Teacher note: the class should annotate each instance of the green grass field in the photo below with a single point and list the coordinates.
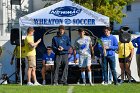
(98, 88)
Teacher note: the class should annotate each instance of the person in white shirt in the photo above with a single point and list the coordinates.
(83, 46)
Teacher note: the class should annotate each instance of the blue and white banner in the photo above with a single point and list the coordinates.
(64, 21)
(65, 13)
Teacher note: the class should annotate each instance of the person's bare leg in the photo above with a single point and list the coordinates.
(29, 74)
(34, 74)
(128, 71)
(122, 70)
(43, 72)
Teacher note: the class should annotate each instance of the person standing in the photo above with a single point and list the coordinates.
(30, 46)
(83, 46)
(136, 44)
(60, 46)
(125, 60)
(47, 61)
(16, 55)
(109, 46)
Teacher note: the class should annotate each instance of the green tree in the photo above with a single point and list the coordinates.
(111, 8)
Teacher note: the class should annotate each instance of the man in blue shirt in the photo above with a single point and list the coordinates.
(48, 62)
(136, 44)
(108, 47)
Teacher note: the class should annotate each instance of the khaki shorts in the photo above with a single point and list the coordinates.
(31, 61)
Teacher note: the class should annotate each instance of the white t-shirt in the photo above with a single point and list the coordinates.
(82, 45)
(107, 43)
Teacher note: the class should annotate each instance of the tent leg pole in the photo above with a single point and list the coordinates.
(20, 56)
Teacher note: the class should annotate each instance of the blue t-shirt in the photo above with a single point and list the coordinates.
(71, 58)
(48, 58)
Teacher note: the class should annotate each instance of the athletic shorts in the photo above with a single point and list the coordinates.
(84, 61)
(49, 67)
(127, 60)
(31, 61)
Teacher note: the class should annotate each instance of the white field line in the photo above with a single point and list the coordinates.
(70, 89)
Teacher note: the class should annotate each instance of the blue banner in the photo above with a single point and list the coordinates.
(64, 21)
(66, 11)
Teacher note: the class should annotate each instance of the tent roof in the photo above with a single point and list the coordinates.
(65, 13)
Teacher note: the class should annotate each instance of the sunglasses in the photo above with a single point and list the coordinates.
(49, 49)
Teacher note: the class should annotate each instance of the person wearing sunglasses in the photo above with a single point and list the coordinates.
(47, 62)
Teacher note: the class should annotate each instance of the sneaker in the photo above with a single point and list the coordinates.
(30, 84)
(55, 84)
(110, 82)
(44, 82)
(37, 84)
(91, 84)
(129, 81)
(122, 81)
(102, 82)
(117, 84)
(105, 83)
(78, 83)
(84, 83)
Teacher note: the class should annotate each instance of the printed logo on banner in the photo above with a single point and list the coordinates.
(67, 21)
(66, 11)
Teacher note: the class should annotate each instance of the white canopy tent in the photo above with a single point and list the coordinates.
(65, 13)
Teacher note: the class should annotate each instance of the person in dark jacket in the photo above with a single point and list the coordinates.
(60, 46)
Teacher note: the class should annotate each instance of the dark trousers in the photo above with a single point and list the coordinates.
(18, 68)
(61, 60)
(111, 61)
